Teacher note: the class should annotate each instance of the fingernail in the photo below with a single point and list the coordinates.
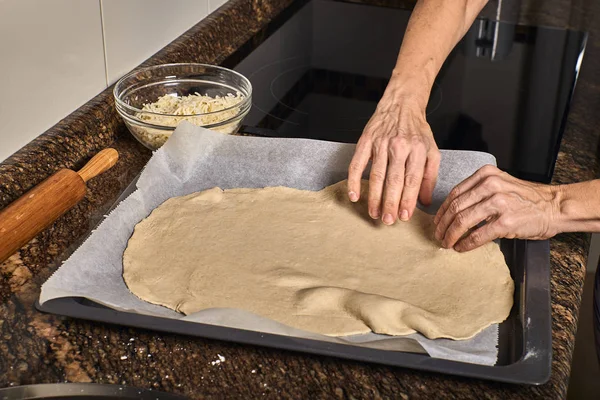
(437, 234)
(374, 214)
(404, 215)
(435, 219)
(388, 219)
(353, 197)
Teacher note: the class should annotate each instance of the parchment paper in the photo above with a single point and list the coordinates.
(196, 159)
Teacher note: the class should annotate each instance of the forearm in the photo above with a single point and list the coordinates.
(434, 28)
(577, 207)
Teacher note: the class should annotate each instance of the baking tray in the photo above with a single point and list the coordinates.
(524, 345)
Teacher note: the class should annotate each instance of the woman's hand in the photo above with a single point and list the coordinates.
(405, 159)
(511, 208)
(398, 140)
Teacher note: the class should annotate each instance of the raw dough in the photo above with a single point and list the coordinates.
(314, 261)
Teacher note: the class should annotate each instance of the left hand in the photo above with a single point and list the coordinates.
(511, 208)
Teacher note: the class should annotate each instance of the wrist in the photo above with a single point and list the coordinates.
(576, 207)
(558, 218)
(407, 91)
(414, 78)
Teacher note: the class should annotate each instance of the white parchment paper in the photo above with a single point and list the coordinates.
(196, 159)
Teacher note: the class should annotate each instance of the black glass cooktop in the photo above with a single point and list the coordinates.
(319, 69)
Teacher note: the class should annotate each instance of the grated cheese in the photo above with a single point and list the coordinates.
(194, 108)
(188, 107)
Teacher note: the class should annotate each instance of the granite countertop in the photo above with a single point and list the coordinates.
(41, 348)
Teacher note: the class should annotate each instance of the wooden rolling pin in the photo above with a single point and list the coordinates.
(41, 206)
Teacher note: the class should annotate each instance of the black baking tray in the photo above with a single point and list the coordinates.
(524, 345)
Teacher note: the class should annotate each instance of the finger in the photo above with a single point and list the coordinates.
(479, 237)
(458, 190)
(415, 166)
(464, 221)
(458, 205)
(465, 185)
(394, 183)
(357, 166)
(377, 177)
(430, 175)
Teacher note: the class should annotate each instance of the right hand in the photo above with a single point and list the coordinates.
(405, 159)
(512, 208)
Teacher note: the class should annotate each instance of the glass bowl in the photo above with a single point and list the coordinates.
(147, 85)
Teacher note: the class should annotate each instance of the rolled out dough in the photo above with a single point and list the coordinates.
(314, 261)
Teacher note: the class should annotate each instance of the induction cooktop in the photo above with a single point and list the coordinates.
(319, 69)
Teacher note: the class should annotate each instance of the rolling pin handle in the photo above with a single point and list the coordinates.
(101, 162)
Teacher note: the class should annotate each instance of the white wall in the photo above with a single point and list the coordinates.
(58, 54)
(136, 29)
(52, 62)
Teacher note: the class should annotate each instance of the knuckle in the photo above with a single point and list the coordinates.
(398, 140)
(364, 144)
(416, 140)
(412, 181)
(397, 148)
(461, 220)
(500, 200)
(505, 222)
(354, 167)
(454, 206)
(420, 151)
(389, 205)
(407, 203)
(455, 192)
(491, 183)
(474, 238)
(394, 179)
(374, 204)
(501, 223)
(377, 145)
(377, 176)
(488, 168)
(417, 145)
(434, 155)
(466, 196)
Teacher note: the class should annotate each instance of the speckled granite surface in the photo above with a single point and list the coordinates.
(39, 348)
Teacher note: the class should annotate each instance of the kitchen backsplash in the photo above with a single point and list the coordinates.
(58, 54)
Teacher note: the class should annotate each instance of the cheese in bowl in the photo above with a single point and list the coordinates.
(153, 101)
